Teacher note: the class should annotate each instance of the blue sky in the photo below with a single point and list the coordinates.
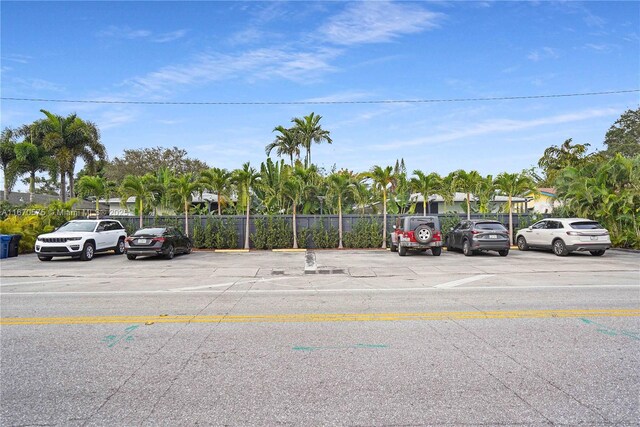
(330, 51)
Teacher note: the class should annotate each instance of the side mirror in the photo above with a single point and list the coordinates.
(450, 228)
(530, 228)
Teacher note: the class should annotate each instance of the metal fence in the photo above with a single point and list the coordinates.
(131, 223)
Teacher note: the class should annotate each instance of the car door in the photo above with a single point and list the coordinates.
(554, 229)
(102, 235)
(451, 236)
(464, 226)
(535, 235)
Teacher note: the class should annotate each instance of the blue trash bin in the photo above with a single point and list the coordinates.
(5, 239)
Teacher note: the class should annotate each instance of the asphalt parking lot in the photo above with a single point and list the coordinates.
(350, 337)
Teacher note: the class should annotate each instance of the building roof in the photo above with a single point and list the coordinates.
(462, 197)
(548, 191)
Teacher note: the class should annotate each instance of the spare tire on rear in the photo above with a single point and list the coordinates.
(423, 234)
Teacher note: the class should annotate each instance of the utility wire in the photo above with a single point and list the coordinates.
(384, 101)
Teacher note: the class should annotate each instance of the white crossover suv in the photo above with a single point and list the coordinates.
(564, 235)
(82, 238)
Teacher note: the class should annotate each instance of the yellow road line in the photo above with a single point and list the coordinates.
(328, 317)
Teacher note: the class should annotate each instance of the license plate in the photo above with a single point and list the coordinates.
(142, 241)
(594, 237)
(493, 236)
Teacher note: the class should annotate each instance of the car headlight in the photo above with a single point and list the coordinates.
(74, 238)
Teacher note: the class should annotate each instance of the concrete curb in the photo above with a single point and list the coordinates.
(231, 250)
(288, 250)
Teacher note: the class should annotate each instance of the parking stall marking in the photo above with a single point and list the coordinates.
(327, 317)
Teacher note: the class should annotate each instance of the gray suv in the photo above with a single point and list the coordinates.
(478, 235)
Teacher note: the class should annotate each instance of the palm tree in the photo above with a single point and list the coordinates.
(485, 191)
(95, 186)
(69, 138)
(426, 185)
(89, 148)
(139, 187)
(293, 188)
(246, 178)
(513, 185)
(181, 191)
(7, 160)
(218, 181)
(308, 130)
(285, 144)
(32, 157)
(466, 182)
(382, 180)
(270, 192)
(339, 187)
(361, 193)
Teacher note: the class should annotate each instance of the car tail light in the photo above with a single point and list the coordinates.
(437, 236)
(158, 239)
(475, 232)
(574, 233)
(129, 239)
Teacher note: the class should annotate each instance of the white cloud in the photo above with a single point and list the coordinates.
(544, 53)
(131, 34)
(21, 59)
(376, 22)
(37, 84)
(251, 65)
(498, 126)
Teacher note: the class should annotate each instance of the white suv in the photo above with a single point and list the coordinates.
(82, 238)
(564, 235)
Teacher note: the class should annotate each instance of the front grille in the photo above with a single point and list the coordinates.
(54, 239)
(54, 249)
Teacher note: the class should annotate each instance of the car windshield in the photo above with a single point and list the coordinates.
(586, 225)
(490, 226)
(77, 226)
(149, 232)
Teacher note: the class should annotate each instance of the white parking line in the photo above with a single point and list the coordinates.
(318, 291)
(237, 282)
(47, 281)
(455, 283)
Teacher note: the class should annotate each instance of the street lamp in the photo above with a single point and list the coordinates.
(321, 198)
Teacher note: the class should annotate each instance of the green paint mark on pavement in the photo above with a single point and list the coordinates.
(611, 331)
(126, 337)
(340, 347)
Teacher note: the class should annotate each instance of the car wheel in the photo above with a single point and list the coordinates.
(504, 252)
(131, 257)
(522, 244)
(189, 248)
(466, 248)
(423, 234)
(45, 258)
(170, 253)
(119, 250)
(88, 251)
(597, 253)
(559, 248)
(436, 251)
(402, 250)
(394, 248)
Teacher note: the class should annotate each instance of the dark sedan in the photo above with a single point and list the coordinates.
(164, 241)
(479, 235)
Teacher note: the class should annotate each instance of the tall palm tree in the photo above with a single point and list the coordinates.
(139, 187)
(95, 186)
(218, 181)
(181, 191)
(513, 185)
(286, 143)
(89, 148)
(383, 180)
(426, 185)
(308, 131)
(246, 178)
(69, 138)
(339, 187)
(466, 182)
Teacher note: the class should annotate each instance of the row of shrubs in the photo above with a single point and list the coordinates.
(277, 233)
